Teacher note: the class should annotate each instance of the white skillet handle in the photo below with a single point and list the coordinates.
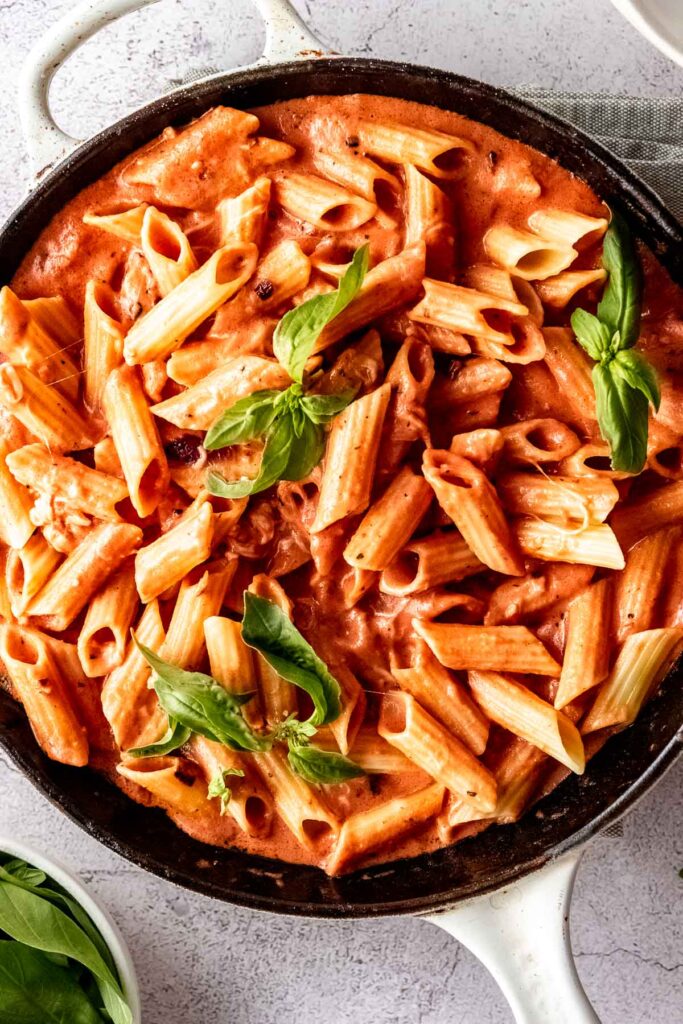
(287, 38)
(521, 934)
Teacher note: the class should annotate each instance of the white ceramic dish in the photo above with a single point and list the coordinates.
(100, 917)
(660, 21)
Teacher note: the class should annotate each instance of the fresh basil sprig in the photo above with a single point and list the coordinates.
(218, 788)
(292, 422)
(625, 383)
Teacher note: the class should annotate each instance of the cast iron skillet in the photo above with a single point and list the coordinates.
(626, 767)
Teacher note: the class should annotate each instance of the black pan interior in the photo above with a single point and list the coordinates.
(614, 779)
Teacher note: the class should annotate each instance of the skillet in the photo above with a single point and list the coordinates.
(537, 857)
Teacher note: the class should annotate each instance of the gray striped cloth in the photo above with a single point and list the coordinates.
(647, 134)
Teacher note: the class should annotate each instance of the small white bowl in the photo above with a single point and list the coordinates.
(660, 21)
(99, 916)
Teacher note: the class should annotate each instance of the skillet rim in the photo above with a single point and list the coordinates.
(655, 225)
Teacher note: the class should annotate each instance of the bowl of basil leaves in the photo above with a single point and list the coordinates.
(62, 958)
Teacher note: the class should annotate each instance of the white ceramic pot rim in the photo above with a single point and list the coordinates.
(647, 19)
(100, 917)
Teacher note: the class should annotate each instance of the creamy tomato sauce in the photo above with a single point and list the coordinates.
(504, 184)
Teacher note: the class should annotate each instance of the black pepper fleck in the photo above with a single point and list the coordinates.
(264, 289)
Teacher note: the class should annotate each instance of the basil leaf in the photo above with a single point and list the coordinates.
(619, 307)
(322, 767)
(622, 416)
(24, 872)
(323, 408)
(266, 628)
(217, 787)
(247, 419)
(202, 705)
(27, 918)
(174, 737)
(276, 455)
(636, 371)
(298, 331)
(34, 990)
(306, 451)
(591, 334)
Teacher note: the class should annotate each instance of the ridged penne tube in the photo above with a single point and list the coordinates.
(526, 344)
(316, 201)
(126, 225)
(591, 459)
(32, 341)
(587, 647)
(571, 369)
(278, 696)
(103, 344)
(654, 511)
(425, 742)
(390, 522)
(429, 218)
(560, 498)
(387, 286)
(106, 459)
(463, 310)
(166, 326)
(169, 558)
(436, 153)
(26, 658)
(242, 218)
(299, 806)
(16, 526)
(129, 705)
(43, 410)
(84, 489)
(104, 634)
(522, 712)
(54, 316)
(345, 727)
(477, 378)
(565, 227)
(232, 663)
(369, 751)
(643, 661)
(201, 596)
(136, 438)
(495, 648)
(484, 277)
(198, 406)
(429, 562)
(362, 176)
(551, 542)
(470, 500)
(381, 825)
(482, 447)
(538, 441)
(250, 804)
(167, 250)
(640, 585)
(350, 457)
(281, 274)
(72, 585)
(444, 697)
(527, 255)
(27, 569)
(558, 291)
(164, 779)
(539, 591)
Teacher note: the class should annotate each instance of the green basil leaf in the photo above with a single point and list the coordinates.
(174, 737)
(24, 872)
(218, 788)
(247, 419)
(306, 452)
(28, 918)
(322, 767)
(622, 417)
(636, 371)
(323, 408)
(619, 307)
(298, 331)
(593, 336)
(35, 990)
(294, 732)
(266, 628)
(276, 455)
(202, 705)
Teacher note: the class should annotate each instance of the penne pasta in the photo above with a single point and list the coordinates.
(126, 225)
(558, 291)
(390, 522)
(527, 255)
(639, 586)
(442, 557)
(242, 218)
(27, 569)
(250, 803)
(429, 218)
(436, 153)
(654, 511)
(539, 441)
(42, 410)
(104, 635)
(587, 648)
(303, 811)
(201, 596)
(232, 663)
(34, 341)
(362, 176)
(16, 525)
(278, 696)
(103, 341)
(167, 782)
(464, 310)
(571, 369)
(168, 559)
(592, 545)
(561, 499)
(316, 201)
(494, 648)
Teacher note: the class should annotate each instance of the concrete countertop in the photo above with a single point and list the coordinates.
(201, 962)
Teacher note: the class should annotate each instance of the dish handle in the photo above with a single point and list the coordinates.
(287, 38)
(521, 934)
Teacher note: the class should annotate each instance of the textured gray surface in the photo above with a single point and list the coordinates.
(203, 963)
